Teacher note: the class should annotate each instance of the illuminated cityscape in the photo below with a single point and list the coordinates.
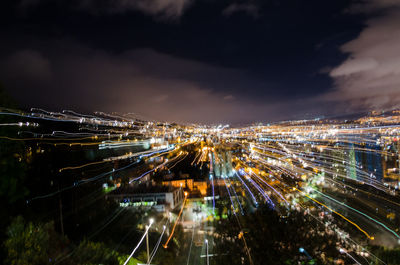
(196, 132)
(341, 179)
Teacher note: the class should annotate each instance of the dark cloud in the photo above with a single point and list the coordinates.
(163, 9)
(167, 9)
(114, 55)
(144, 81)
(370, 77)
(373, 6)
(27, 63)
(158, 86)
(247, 8)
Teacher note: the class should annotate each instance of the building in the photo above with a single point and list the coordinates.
(189, 184)
(158, 198)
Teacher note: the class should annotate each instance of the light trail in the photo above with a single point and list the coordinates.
(148, 172)
(154, 251)
(82, 166)
(154, 169)
(365, 192)
(176, 222)
(339, 214)
(363, 214)
(140, 242)
(338, 233)
(280, 195)
(230, 197)
(328, 154)
(213, 193)
(190, 248)
(236, 196)
(262, 192)
(186, 153)
(251, 194)
(196, 157)
(52, 139)
(366, 179)
(80, 182)
(341, 250)
(208, 258)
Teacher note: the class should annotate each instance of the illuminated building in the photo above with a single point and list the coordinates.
(158, 198)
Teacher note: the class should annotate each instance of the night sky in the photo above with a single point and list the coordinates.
(202, 60)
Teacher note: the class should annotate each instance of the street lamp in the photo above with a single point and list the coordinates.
(208, 262)
(302, 250)
(140, 242)
(151, 221)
